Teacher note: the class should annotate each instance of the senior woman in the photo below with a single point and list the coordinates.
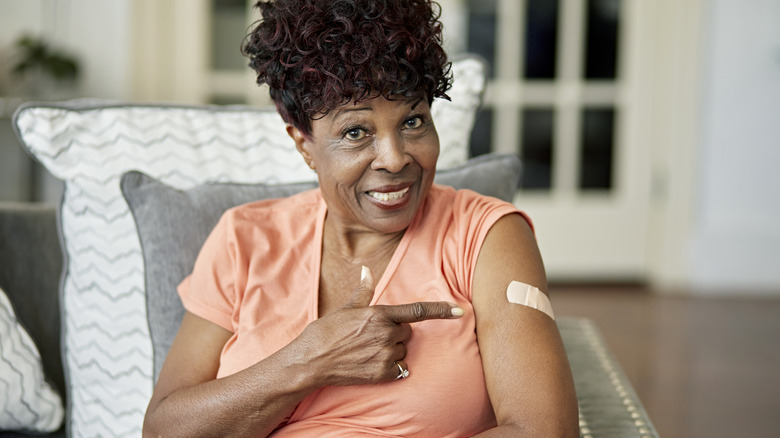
(378, 304)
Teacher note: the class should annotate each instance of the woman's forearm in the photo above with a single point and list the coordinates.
(509, 430)
(501, 431)
(252, 402)
(351, 346)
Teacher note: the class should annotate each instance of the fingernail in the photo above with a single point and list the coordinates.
(363, 273)
(456, 311)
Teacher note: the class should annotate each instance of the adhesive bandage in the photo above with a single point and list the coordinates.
(527, 295)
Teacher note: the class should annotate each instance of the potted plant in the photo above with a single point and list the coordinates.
(44, 71)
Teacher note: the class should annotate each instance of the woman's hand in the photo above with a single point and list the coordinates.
(360, 343)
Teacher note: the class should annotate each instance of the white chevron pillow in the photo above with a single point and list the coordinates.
(28, 402)
(89, 146)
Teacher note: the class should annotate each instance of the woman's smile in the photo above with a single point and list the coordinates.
(388, 199)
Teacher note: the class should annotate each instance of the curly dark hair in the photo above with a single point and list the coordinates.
(318, 54)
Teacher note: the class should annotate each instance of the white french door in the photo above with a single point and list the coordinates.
(564, 95)
(594, 95)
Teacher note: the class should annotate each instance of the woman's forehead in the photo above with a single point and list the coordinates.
(401, 103)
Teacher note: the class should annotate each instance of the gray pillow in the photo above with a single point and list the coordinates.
(491, 175)
(173, 224)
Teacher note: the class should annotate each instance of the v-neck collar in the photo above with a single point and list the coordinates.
(392, 266)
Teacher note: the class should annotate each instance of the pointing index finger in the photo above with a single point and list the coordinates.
(421, 311)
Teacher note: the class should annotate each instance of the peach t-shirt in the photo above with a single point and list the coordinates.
(258, 277)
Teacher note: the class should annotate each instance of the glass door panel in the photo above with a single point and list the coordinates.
(596, 149)
(601, 57)
(541, 39)
(230, 79)
(228, 26)
(482, 21)
(481, 135)
(536, 149)
(558, 98)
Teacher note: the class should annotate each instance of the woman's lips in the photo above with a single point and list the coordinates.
(390, 198)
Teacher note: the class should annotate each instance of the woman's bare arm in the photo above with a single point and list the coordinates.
(355, 345)
(249, 403)
(526, 370)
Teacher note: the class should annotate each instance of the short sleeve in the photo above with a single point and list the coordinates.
(474, 216)
(209, 291)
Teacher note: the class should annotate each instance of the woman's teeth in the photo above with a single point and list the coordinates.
(392, 196)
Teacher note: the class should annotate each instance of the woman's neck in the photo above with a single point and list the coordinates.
(358, 246)
(343, 254)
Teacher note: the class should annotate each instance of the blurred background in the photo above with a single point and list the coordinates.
(648, 129)
(649, 132)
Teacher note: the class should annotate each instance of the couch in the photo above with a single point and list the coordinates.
(93, 279)
(31, 265)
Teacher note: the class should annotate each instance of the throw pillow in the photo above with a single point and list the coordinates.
(173, 224)
(28, 402)
(491, 175)
(109, 360)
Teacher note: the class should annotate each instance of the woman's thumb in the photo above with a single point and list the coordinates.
(361, 296)
(366, 279)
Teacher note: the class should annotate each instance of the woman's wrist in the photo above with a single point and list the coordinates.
(300, 366)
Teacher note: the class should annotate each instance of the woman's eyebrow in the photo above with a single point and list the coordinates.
(338, 114)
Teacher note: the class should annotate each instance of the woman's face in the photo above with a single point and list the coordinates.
(375, 161)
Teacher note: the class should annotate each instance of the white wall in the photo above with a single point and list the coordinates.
(95, 31)
(100, 31)
(735, 246)
(731, 242)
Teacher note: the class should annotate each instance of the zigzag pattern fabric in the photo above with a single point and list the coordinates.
(108, 352)
(27, 402)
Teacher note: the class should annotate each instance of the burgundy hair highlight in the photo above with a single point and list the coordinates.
(318, 54)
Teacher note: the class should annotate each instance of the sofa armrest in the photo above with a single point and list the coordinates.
(31, 264)
(609, 407)
(30, 268)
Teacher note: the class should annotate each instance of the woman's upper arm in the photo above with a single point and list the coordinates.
(526, 370)
(193, 357)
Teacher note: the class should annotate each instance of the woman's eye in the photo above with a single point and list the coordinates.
(355, 134)
(414, 122)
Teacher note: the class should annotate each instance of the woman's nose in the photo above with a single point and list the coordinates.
(390, 154)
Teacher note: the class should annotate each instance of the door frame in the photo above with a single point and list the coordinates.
(170, 55)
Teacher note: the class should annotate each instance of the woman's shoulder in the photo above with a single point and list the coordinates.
(465, 206)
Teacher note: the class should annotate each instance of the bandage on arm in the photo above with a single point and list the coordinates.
(527, 295)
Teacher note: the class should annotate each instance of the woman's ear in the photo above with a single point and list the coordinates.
(301, 143)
